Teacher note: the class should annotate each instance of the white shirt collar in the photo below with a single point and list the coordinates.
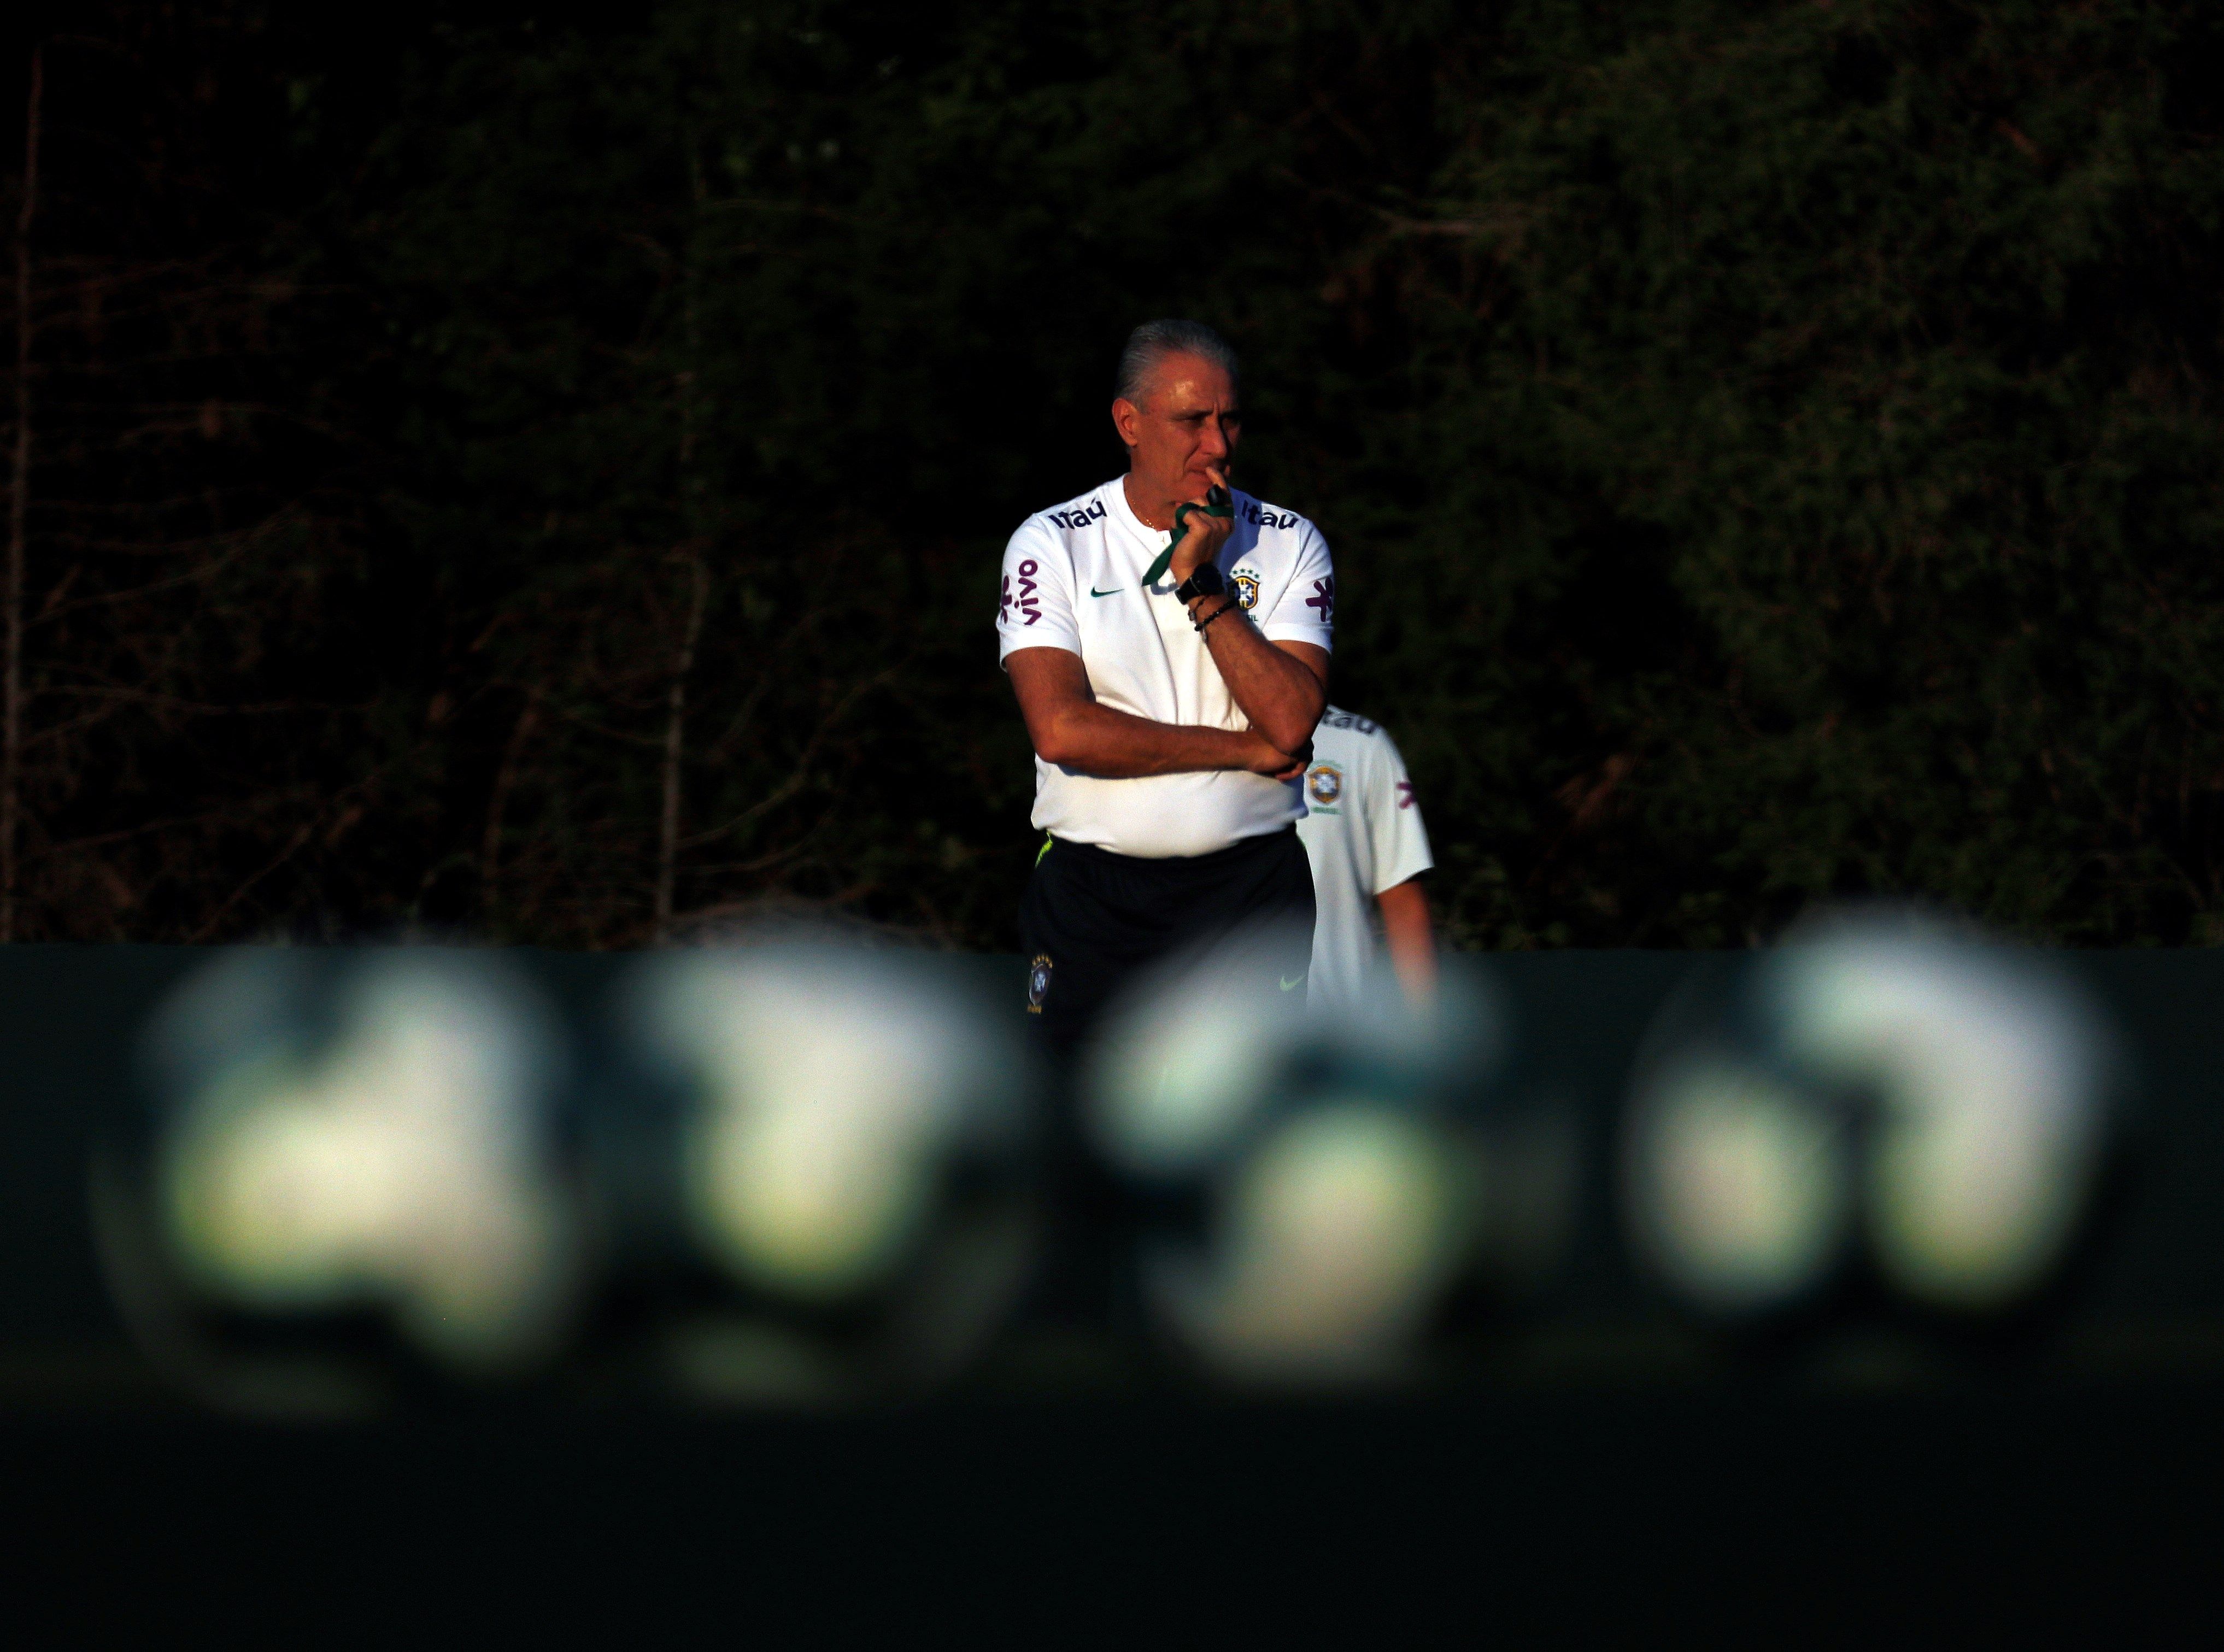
(1124, 513)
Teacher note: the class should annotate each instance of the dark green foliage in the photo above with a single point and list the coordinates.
(1771, 451)
(1872, 351)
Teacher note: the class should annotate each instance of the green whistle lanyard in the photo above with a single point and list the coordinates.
(1216, 503)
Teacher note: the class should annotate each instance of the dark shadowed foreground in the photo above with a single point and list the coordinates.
(1595, 1456)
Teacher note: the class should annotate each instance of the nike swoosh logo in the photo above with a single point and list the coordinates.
(1297, 981)
(1115, 591)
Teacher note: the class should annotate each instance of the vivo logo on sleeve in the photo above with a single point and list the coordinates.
(1026, 600)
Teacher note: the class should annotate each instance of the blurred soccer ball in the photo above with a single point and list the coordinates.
(1884, 1077)
(847, 1142)
(1322, 1175)
(1740, 1182)
(327, 1137)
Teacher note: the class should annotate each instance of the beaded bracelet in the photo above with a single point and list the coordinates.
(1231, 604)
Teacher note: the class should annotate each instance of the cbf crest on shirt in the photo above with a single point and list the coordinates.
(1072, 579)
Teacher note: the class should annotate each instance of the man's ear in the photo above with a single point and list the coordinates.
(1125, 415)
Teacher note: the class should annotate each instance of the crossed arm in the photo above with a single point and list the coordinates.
(1280, 686)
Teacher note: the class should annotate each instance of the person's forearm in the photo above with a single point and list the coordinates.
(1279, 692)
(1114, 745)
(1406, 937)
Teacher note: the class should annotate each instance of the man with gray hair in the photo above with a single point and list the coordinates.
(1168, 638)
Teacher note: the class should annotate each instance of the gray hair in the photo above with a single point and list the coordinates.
(1155, 341)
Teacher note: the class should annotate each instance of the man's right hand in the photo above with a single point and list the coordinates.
(1203, 535)
(1276, 764)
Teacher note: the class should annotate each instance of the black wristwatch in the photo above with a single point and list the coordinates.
(1205, 582)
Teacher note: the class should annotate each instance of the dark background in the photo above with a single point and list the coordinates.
(1771, 451)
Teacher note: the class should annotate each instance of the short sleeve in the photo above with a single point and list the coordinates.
(1035, 607)
(1306, 610)
(1400, 842)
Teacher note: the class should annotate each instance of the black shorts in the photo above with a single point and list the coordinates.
(1090, 919)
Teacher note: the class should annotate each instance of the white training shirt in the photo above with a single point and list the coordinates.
(1363, 832)
(1073, 580)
